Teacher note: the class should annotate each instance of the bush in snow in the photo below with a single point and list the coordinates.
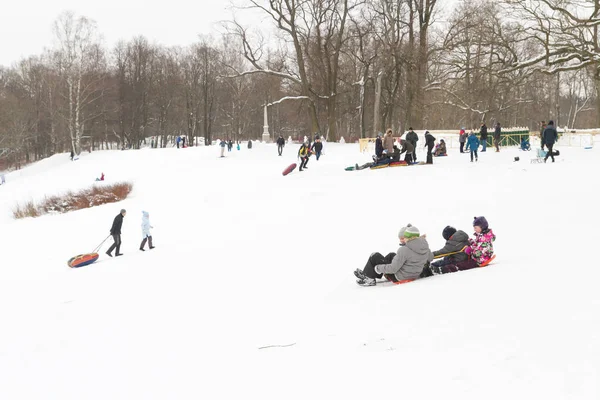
(70, 201)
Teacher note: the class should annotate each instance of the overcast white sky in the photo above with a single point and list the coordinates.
(26, 25)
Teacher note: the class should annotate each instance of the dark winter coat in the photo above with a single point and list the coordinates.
(117, 224)
(407, 147)
(497, 132)
(281, 141)
(455, 244)
(412, 137)
(483, 132)
(378, 147)
(429, 141)
(317, 146)
(249, 144)
(550, 135)
(409, 260)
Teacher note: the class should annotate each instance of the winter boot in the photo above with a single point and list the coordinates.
(359, 274)
(366, 282)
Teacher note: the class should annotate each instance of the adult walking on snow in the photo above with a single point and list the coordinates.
(249, 144)
(146, 231)
(115, 231)
(429, 143)
(549, 137)
(280, 144)
(483, 134)
(317, 148)
(497, 132)
(223, 144)
(413, 138)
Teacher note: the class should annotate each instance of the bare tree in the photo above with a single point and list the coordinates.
(79, 59)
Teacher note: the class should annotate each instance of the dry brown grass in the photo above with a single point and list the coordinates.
(71, 201)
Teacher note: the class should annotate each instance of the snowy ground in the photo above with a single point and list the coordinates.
(246, 258)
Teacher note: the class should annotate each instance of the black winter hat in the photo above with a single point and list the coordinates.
(448, 232)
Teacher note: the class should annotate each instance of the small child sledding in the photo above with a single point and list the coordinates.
(479, 251)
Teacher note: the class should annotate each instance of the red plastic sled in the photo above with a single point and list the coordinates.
(289, 169)
(82, 260)
(488, 261)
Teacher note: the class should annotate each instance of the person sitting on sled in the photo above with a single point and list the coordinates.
(480, 250)
(440, 149)
(403, 266)
(525, 146)
(452, 252)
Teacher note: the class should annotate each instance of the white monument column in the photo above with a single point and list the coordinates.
(265, 136)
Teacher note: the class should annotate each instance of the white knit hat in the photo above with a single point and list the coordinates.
(409, 231)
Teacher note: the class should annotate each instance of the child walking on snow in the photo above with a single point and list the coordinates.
(480, 250)
(146, 231)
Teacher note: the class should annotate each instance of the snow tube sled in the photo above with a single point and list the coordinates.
(398, 164)
(82, 260)
(288, 169)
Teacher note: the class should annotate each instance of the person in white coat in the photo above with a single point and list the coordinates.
(146, 231)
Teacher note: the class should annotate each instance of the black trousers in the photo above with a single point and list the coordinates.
(414, 152)
(280, 149)
(149, 239)
(408, 158)
(303, 161)
(462, 146)
(116, 244)
(376, 259)
(429, 156)
(549, 153)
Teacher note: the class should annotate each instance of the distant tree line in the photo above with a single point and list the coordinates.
(338, 67)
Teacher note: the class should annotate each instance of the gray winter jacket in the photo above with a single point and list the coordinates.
(410, 260)
(455, 244)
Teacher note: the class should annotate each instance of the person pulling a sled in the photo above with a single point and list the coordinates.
(403, 266)
(115, 231)
(479, 251)
(146, 231)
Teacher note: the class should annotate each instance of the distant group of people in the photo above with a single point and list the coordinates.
(180, 140)
(115, 232)
(414, 258)
(229, 145)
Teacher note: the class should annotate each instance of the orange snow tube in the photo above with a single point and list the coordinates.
(82, 260)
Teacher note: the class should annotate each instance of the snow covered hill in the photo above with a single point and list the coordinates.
(246, 259)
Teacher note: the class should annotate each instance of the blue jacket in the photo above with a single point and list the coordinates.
(473, 142)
